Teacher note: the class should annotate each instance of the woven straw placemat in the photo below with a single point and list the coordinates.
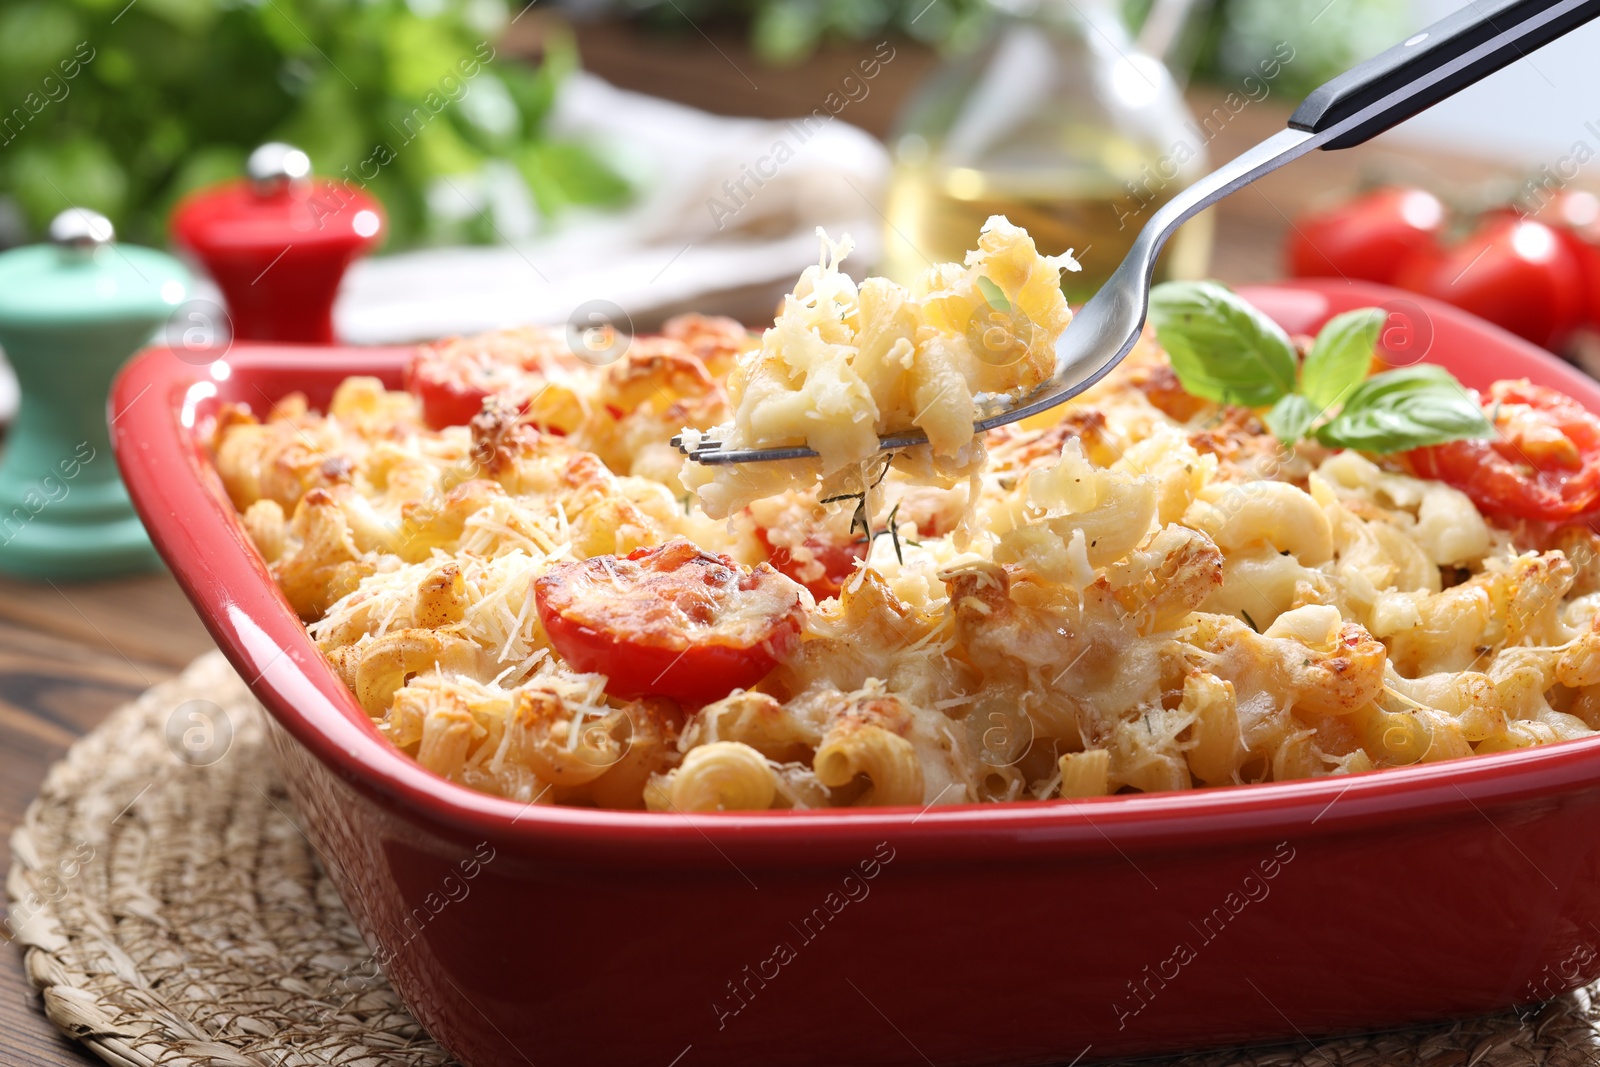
(172, 913)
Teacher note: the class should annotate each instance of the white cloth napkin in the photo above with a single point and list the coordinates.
(724, 221)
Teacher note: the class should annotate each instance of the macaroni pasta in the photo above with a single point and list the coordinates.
(1141, 592)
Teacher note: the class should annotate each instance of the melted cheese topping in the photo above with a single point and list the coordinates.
(683, 596)
(845, 364)
(1142, 592)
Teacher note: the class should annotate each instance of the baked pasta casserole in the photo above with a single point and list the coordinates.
(532, 594)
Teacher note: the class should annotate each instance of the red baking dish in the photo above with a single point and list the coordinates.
(1027, 933)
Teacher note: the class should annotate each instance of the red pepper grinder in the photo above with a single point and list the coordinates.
(278, 242)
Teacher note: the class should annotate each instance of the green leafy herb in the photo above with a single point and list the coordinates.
(417, 103)
(1224, 350)
(891, 528)
(1291, 417)
(859, 516)
(1404, 409)
(1341, 356)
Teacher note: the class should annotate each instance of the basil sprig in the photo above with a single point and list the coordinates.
(1224, 350)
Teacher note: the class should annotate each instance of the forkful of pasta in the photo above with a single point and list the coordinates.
(850, 371)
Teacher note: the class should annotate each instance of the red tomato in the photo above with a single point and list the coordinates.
(452, 394)
(838, 560)
(1368, 237)
(1543, 465)
(453, 377)
(1575, 216)
(1516, 273)
(672, 621)
(447, 400)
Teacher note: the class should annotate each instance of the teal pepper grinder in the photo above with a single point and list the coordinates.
(71, 312)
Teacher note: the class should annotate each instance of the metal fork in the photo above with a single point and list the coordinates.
(1454, 52)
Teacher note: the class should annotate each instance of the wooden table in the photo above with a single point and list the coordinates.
(71, 653)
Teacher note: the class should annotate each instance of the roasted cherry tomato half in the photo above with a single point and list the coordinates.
(1544, 463)
(672, 621)
(1516, 273)
(1368, 237)
(445, 401)
(453, 378)
(837, 560)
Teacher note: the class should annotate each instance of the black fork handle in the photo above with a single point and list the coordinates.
(1459, 49)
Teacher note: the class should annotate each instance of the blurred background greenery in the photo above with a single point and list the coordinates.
(1221, 38)
(177, 92)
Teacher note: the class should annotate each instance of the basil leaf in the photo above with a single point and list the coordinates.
(1403, 380)
(1291, 417)
(1341, 356)
(1221, 348)
(1404, 409)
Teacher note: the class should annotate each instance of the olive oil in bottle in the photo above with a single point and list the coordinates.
(1062, 127)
